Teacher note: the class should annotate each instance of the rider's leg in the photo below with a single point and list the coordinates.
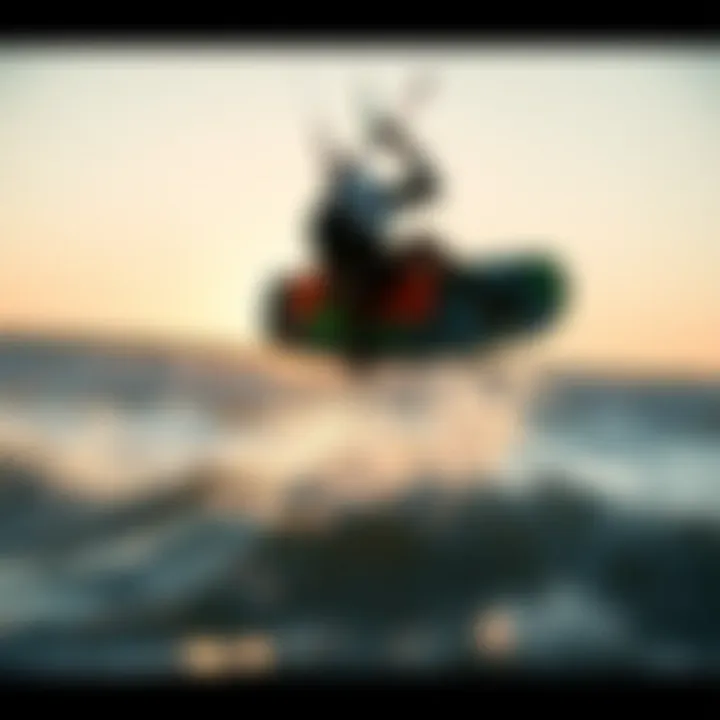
(352, 260)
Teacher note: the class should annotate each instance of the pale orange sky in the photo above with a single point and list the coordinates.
(159, 188)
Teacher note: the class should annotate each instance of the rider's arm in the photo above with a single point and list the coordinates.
(421, 182)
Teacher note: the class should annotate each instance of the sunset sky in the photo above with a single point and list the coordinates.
(158, 188)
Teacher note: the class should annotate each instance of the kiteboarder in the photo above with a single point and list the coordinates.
(350, 223)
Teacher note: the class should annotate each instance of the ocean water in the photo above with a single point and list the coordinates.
(654, 444)
(143, 534)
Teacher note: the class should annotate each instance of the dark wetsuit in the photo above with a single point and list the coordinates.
(350, 229)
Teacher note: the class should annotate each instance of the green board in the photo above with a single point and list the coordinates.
(475, 305)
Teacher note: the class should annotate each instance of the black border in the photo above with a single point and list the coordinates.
(378, 29)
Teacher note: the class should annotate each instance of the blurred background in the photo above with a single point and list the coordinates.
(178, 499)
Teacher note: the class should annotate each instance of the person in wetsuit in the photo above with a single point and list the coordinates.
(350, 224)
